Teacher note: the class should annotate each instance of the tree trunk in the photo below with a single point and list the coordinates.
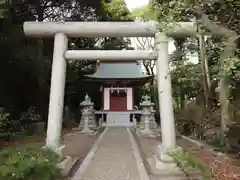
(224, 103)
(223, 86)
(203, 63)
(207, 72)
(181, 96)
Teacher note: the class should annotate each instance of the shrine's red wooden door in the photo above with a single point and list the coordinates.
(118, 101)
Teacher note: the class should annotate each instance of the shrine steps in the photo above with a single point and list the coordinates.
(120, 119)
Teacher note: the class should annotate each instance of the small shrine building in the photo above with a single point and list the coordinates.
(118, 80)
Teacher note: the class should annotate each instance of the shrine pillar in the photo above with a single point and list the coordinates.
(165, 93)
(56, 99)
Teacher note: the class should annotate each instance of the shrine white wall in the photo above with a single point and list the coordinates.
(106, 99)
(129, 99)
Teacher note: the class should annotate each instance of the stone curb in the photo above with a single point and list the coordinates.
(139, 161)
(66, 165)
(202, 145)
(136, 135)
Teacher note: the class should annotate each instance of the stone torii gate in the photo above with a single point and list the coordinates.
(62, 30)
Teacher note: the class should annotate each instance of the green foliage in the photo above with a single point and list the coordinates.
(213, 49)
(232, 69)
(28, 163)
(169, 12)
(30, 115)
(115, 44)
(3, 118)
(144, 13)
(188, 160)
(190, 77)
(116, 10)
(28, 120)
(148, 90)
(4, 121)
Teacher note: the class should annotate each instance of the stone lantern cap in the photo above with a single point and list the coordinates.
(146, 102)
(87, 101)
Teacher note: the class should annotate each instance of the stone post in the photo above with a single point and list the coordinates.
(100, 123)
(165, 93)
(56, 99)
(134, 120)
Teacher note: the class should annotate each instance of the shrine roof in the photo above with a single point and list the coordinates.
(118, 70)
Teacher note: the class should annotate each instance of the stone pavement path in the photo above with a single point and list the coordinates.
(114, 158)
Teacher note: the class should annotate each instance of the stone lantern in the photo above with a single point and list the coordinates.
(146, 115)
(92, 117)
(87, 114)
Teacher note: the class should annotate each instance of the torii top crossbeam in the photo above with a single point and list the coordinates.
(105, 29)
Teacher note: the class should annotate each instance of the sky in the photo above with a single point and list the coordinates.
(132, 4)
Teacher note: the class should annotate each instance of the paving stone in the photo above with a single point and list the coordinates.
(114, 159)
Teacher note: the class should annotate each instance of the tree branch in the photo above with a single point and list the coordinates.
(213, 27)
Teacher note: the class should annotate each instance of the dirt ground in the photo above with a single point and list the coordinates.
(222, 166)
(78, 145)
(75, 143)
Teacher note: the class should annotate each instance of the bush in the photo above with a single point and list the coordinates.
(30, 116)
(4, 123)
(28, 163)
(3, 118)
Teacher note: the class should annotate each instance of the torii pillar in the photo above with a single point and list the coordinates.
(57, 89)
(165, 95)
